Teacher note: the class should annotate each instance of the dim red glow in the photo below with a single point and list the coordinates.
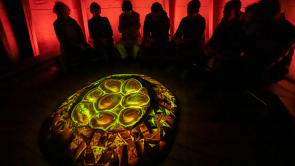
(31, 28)
(12, 45)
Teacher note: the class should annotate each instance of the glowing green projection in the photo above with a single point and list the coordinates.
(113, 105)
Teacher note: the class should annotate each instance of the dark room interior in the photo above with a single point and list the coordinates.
(226, 107)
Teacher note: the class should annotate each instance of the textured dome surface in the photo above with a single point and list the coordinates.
(118, 120)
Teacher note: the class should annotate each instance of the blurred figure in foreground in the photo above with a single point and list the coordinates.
(101, 32)
(69, 34)
(129, 24)
(189, 37)
(156, 31)
(269, 46)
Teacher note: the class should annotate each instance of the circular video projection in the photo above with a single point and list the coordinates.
(122, 119)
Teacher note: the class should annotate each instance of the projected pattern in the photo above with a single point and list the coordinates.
(111, 120)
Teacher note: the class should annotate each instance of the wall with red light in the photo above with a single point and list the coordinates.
(43, 18)
(8, 38)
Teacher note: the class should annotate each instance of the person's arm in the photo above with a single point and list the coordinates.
(167, 26)
(164, 29)
(146, 27)
(202, 27)
(92, 30)
(199, 37)
(214, 40)
(78, 29)
(109, 32)
(122, 24)
(59, 33)
(136, 25)
(180, 29)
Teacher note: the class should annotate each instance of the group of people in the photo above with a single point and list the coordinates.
(253, 46)
(189, 35)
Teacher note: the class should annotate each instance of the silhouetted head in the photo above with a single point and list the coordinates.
(95, 9)
(61, 10)
(268, 9)
(127, 8)
(237, 4)
(250, 21)
(157, 11)
(230, 11)
(250, 12)
(193, 8)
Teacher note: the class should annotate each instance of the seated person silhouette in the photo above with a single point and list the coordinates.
(129, 24)
(270, 44)
(225, 43)
(101, 32)
(156, 30)
(69, 34)
(189, 37)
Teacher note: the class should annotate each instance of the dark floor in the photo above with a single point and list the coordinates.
(245, 132)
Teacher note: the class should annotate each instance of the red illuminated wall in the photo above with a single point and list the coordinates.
(43, 18)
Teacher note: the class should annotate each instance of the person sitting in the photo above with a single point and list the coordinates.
(225, 43)
(100, 31)
(69, 34)
(156, 30)
(270, 44)
(189, 37)
(129, 25)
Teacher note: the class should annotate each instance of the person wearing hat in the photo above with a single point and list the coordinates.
(129, 25)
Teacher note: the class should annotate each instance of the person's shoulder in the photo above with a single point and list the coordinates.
(200, 17)
(165, 15)
(121, 15)
(72, 20)
(90, 20)
(148, 15)
(288, 28)
(55, 22)
(184, 19)
(287, 24)
(105, 19)
(135, 14)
